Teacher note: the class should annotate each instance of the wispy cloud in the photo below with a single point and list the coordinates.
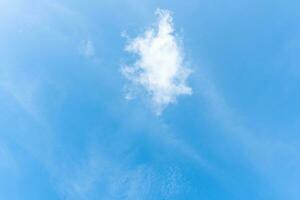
(83, 180)
(23, 90)
(263, 152)
(159, 68)
(8, 160)
(87, 48)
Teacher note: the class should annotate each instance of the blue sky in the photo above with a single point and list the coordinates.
(149, 99)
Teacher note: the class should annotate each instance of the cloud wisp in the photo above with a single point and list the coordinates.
(87, 48)
(159, 68)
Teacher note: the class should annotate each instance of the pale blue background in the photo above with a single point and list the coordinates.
(66, 131)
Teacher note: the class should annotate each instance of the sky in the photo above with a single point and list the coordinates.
(149, 100)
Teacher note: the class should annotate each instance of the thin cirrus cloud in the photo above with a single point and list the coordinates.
(159, 68)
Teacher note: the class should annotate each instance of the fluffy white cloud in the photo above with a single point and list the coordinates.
(159, 68)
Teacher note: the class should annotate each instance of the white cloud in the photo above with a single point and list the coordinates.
(87, 48)
(159, 68)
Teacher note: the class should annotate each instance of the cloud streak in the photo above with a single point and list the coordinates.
(159, 69)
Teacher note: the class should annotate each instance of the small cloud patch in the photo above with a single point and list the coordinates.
(87, 48)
